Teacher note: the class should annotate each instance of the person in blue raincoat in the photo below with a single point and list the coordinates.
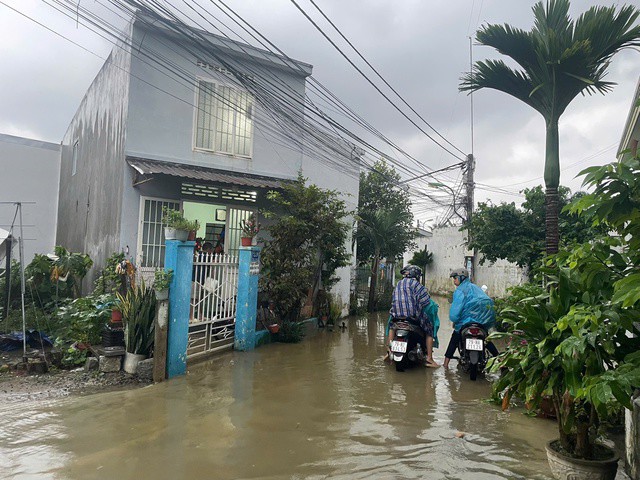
(470, 305)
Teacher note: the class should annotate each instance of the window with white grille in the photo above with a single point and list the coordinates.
(151, 234)
(74, 159)
(224, 121)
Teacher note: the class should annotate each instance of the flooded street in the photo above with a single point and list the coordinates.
(324, 408)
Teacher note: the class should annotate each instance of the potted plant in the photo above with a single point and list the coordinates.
(177, 227)
(161, 281)
(138, 312)
(576, 342)
(250, 228)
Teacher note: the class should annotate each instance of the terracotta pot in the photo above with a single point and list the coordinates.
(192, 235)
(568, 468)
(116, 315)
(246, 241)
(273, 328)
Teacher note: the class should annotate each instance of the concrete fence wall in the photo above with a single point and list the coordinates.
(448, 245)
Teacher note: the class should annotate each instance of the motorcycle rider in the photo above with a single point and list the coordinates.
(409, 300)
(470, 304)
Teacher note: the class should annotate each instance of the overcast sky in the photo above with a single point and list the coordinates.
(420, 46)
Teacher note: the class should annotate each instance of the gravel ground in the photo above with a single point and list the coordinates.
(18, 387)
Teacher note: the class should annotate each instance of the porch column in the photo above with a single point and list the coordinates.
(178, 257)
(248, 274)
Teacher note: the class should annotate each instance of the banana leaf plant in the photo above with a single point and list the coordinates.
(138, 309)
(577, 343)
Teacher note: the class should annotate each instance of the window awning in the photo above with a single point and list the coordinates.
(181, 170)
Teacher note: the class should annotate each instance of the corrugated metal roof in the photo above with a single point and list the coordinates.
(153, 167)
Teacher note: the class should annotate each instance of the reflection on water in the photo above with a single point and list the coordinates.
(325, 408)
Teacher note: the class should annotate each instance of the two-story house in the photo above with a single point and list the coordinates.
(182, 118)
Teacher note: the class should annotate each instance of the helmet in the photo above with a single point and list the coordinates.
(459, 272)
(411, 271)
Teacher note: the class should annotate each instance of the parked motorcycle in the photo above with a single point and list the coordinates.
(407, 345)
(472, 347)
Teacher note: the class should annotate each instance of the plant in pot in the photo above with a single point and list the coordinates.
(576, 342)
(138, 312)
(177, 227)
(250, 228)
(161, 281)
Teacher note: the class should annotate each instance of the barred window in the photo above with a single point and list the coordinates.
(224, 121)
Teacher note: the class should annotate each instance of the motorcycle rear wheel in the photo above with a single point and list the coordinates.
(401, 365)
(473, 371)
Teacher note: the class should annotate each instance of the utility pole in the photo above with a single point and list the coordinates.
(469, 186)
(469, 259)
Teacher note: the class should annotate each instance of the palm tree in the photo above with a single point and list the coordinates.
(559, 59)
(380, 228)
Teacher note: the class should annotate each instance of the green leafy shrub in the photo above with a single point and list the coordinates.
(162, 279)
(576, 342)
(307, 244)
(175, 219)
(109, 281)
(291, 332)
(82, 319)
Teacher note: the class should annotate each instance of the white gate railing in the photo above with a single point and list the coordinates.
(213, 303)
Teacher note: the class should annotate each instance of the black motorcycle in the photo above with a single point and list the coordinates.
(473, 353)
(408, 344)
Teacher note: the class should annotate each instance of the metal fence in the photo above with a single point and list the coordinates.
(213, 303)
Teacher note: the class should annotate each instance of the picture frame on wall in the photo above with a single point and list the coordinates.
(221, 215)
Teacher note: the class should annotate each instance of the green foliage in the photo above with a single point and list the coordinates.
(162, 279)
(138, 308)
(574, 342)
(250, 227)
(422, 258)
(82, 319)
(355, 308)
(307, 244)
(518, 234)
(175, 219)
(382, 203)
(290, 332)
(73, 356)
(109, 280)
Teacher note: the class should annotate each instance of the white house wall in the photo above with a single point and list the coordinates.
(30, 174)
(449, 250)
(91, 200)
(162, 107)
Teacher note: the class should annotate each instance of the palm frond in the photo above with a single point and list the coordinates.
(509, 41)
(497, 75)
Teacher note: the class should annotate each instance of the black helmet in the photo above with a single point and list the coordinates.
(411, 271)
(459, 272)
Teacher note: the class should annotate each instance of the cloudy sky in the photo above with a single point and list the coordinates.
(421, 47)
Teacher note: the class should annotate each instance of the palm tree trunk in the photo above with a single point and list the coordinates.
(374, 283)
(552, 181)
(552, 237)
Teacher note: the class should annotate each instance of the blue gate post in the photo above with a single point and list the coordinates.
(248, 274)
(178, 256)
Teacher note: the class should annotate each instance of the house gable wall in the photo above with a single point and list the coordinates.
(90, 201)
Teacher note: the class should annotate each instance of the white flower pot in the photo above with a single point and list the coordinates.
(131, 361)
(173, 234)
(162, 294)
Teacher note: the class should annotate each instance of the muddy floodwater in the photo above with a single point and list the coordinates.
(324, 408)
